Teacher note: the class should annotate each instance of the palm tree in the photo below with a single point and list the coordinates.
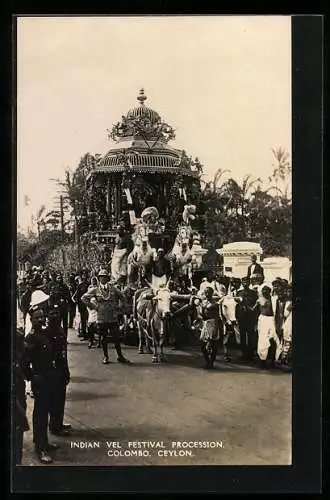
(282, 167)
(214, 185)
(40, 219)
(236, 195)
(246, 187)
(40, 212)
(281, 172)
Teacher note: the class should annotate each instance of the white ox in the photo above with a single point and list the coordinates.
(151, 310)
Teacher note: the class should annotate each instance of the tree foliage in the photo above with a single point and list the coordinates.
(38, 250)
(245, 211)
(228, 209)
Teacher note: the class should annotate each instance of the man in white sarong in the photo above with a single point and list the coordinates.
(266, 326)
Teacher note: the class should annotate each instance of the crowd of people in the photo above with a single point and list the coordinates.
(48, 303)
(262, 321)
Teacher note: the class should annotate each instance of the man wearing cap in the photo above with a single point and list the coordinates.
(40, 369)
(59, 295)
(161, 269)
(247, 319)
(107, 300)
(255, 268)
(38, 300)
(57, 337)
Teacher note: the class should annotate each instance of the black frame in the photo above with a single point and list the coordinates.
(305, 473)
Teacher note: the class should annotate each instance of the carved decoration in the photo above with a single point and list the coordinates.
(147, 124)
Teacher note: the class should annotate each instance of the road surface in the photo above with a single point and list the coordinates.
(235, 415)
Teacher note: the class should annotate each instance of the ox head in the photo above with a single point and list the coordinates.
(163, 299)
(228, 309)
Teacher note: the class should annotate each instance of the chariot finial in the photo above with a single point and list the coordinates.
(141, 97)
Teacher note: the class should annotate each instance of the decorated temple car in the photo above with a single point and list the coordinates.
(141, 171)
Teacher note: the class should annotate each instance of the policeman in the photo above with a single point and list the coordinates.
(20, 419)
(60, 296)
(57, 337)
(40, 369)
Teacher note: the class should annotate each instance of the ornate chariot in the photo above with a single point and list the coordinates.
(142, 184)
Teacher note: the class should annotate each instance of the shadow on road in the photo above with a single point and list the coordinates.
(197, 361)
(86, 380)
(80, 344)
(88, 396)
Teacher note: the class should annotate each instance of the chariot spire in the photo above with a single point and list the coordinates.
(141, 97)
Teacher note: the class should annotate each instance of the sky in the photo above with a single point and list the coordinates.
(223, 82)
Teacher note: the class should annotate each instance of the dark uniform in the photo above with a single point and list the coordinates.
(46, 368)
(59, 295)
(247, 321)
(58, 338)
(20, 419)
(20, 290)
(25, 300)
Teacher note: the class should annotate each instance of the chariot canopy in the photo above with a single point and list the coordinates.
(141, 170)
